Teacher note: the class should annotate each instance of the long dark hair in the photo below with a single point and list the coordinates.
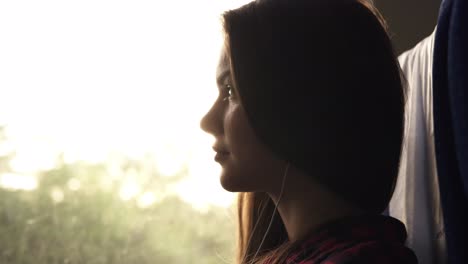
(322, 88)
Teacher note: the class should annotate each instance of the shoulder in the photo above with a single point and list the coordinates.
(357, 240)
(419, 58)
(373, 252)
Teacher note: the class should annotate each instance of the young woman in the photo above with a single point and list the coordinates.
(308, 127)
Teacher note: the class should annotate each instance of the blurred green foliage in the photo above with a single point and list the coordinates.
(93, 225)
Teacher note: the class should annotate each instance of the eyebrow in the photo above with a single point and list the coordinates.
(222, 77)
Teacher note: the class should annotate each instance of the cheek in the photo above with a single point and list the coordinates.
(239, 135)
(252, 167)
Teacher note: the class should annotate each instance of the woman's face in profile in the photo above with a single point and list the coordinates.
(247, 165)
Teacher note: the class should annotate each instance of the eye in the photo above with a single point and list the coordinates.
(229, 91)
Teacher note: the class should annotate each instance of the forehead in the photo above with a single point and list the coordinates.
(223, 64)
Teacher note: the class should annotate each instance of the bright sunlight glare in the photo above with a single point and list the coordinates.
(18, 181)
(84, 79)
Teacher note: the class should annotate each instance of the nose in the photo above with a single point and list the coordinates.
(212, 122)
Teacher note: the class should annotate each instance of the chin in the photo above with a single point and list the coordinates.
(231, 183)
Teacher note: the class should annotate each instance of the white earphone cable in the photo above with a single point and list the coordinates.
(274, 211)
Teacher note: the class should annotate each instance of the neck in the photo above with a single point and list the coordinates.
(305, 205)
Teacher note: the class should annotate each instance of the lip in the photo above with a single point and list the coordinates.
(221, 153)
(221, 150)
(221, 156)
